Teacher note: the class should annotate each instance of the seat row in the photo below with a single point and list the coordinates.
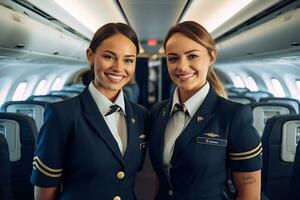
(18, 130)
(20, 122)
(245, 96)
(19, 125)
(280, 138)
(279, 141)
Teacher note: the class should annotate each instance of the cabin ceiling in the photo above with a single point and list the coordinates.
(152, 18)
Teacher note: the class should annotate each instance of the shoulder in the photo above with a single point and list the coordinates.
(232, 108)
(228, 104)
(65, 107)
(157, 107)
(67, 103)
(137, 108)
(63, 112)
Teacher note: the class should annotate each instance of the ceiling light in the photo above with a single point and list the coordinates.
(93, 14)
(211, 14)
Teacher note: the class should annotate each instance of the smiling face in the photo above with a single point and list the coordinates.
(188, 64)
(114, 64)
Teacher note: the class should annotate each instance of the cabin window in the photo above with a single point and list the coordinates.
(5, 84)
(41, 89)
(277, 88)
(238, 82)
(251, 84)
(20, 91)
(57, 84)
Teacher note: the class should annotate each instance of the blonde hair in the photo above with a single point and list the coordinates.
(199, 34)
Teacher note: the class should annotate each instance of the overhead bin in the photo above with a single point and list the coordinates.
(278, 34)
(22, 36)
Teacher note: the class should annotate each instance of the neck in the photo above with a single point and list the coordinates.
(108, 93)
(185, 95)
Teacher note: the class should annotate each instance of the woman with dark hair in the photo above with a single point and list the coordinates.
(91, 146)
(198, 136)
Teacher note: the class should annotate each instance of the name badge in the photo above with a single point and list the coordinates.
(143, 145)
(211, 141)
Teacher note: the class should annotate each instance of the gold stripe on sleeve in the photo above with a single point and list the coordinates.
(36, 158)
(247, 157)
(36, 166)
(246, 152)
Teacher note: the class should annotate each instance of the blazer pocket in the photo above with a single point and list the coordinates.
(211, 141)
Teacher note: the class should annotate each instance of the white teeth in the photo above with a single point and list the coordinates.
(185, 77)
(115, 77)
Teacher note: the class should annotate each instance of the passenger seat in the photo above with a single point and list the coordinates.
(47, 98)
(257, 95)
(19, 130)
(34, 109)
(279, 142)
(263, 111)
(294, 193)
(5, 172)
(241, 99)
(293, 102)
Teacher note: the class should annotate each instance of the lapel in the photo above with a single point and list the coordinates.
(197, 123)
(159, 130)
(132, 130)
(96, 120)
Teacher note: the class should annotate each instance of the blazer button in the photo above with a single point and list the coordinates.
(170, 192)
(117, 198)
(120, 175)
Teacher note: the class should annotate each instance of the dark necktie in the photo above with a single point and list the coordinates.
(174, 129)
(123, 136)
(113, 108)
(179, 107)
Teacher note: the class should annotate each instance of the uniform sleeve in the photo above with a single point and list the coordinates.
(245, 149)
(48, 159)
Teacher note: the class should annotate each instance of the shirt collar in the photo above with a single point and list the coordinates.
(104, 103)
(194, 102)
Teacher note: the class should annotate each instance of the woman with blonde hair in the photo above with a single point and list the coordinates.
(198, 135)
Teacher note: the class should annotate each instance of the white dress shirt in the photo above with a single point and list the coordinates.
(116, 121)
(179, 120)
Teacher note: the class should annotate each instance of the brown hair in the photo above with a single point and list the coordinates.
(199, 34)
(109, 30)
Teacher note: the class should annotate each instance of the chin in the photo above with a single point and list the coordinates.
(188, 88)
(114, 88)
(187, 85)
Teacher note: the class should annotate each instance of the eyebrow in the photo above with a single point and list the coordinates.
(111, 52)
(187, 52)
(190, 51)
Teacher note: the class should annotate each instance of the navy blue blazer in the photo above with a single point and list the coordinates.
(219, 136)
(77, 152)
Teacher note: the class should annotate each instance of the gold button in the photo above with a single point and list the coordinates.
(120, 175)
(117, 198)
